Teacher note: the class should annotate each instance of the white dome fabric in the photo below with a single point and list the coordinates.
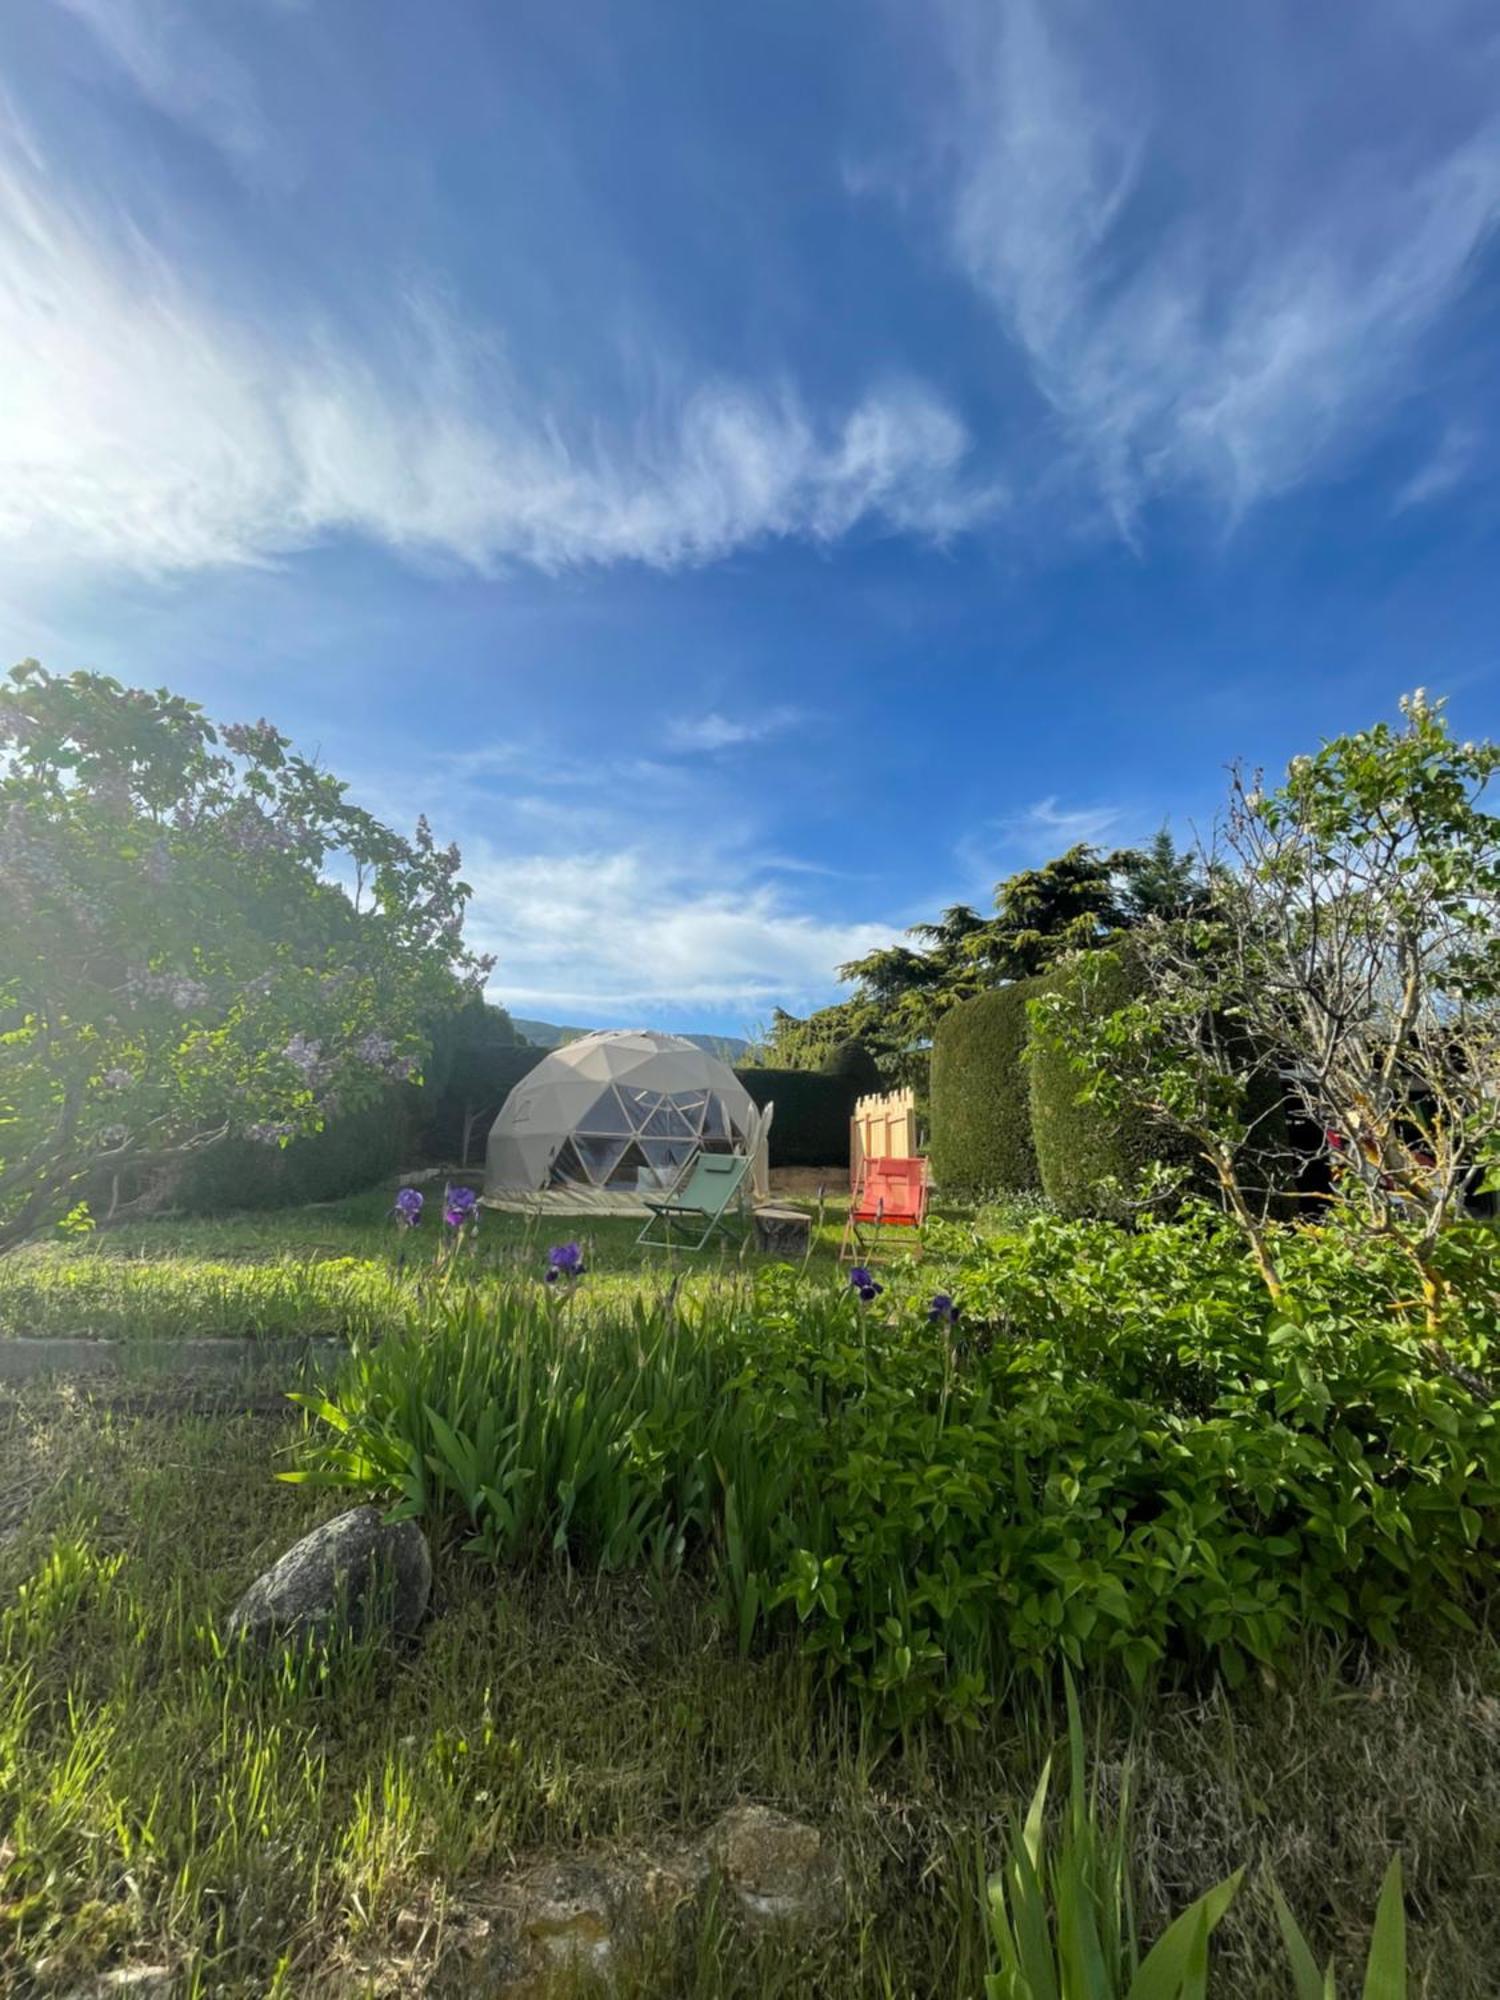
(598, 1111)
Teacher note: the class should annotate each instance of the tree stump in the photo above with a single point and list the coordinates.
(783, 1232)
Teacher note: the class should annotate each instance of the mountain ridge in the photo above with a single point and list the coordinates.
(552, 1035)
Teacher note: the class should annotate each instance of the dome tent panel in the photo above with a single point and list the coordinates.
(600, 1155)
(596, 1111)
(607, 1115)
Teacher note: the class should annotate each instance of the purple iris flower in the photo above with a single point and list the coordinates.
(408, 1209)
(458, 1206)
(564, 1260)
(944, 1310)
(864, 1283)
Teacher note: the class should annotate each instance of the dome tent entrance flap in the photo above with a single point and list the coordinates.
(612, 1110)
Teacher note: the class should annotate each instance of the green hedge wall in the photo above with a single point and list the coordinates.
(443, 1109)
(981, 1102)
(1080, 1147)
(811, 1126)
(349, 1155)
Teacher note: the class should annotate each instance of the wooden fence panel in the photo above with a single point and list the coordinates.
(882, 1128)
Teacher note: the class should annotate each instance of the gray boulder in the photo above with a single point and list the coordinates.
(780, 1872)
(357, 1573)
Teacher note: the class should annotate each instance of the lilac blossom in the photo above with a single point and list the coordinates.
(184, 993)
(306, 1057)
(253, 739)
(16, 726)
(269, 1133)
(253, 832)
(117, 1078)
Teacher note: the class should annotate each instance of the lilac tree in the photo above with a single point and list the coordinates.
(199, 935)
(1347, 947)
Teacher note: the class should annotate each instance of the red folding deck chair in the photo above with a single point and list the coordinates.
(890, 1194)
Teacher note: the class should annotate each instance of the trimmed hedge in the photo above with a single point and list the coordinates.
(349, 1155)
(981, 1100)
(445, 1107)
(811, 1126)
(1081, 1146)
(852, 1063)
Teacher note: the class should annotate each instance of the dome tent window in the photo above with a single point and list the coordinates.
(598, 1111)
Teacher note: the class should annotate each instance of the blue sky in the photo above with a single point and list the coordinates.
(754, 476)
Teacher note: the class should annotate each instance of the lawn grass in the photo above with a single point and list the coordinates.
(293, 1832)
(340, 1270)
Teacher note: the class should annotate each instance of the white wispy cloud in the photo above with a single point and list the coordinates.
(1446, 467)
(139, 427)
(724, 732)
(610, 930)
(629, 887)
(1056, 825)
(1219, 320)
(179, 68)
(1033, 834)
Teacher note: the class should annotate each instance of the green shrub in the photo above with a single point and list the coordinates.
(1117, 1457)
(1090, 1159)
(811, 1126)
(981, 1104)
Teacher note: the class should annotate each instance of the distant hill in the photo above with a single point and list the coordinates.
(549, 1035)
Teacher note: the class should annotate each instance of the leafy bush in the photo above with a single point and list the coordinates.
(981, 1103)
(811, 1126)
(1090, 1159)
(1116, 1457)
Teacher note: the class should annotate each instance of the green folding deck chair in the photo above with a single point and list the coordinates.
(702, 1196)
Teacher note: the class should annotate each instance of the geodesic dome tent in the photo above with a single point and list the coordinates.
(616, 1111)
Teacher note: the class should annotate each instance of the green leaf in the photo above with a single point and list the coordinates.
(1168, 1964)
(1310, 1984)
(1385, 1974)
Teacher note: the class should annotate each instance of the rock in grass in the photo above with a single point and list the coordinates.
(358, 1573)
(779, 1870)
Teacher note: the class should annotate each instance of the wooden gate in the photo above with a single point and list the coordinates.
(882, 1128)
